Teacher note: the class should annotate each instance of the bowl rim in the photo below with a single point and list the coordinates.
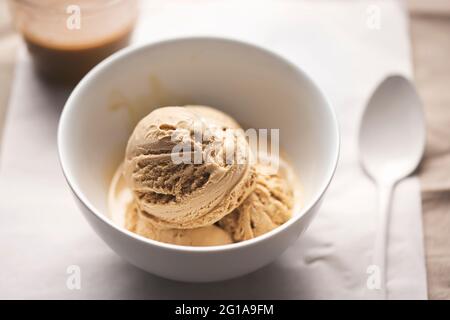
(131, 50)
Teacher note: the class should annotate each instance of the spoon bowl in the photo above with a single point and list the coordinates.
(392, 134)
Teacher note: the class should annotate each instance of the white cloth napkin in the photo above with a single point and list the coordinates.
(342, 46)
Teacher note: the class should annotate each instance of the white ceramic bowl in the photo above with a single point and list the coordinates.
(258, 88)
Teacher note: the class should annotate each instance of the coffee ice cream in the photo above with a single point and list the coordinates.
(216, 195)
(138, 222)
(194, 193)
(267, 207)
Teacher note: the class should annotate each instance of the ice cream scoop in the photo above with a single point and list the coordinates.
(267, 207)
(136, 221)
(213, 179)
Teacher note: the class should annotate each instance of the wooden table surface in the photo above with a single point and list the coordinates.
(430, 37)
(430, 33)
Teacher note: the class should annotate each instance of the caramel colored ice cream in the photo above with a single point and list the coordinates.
(223, 198)
(138, 222)
(187, 195)
(267, 207)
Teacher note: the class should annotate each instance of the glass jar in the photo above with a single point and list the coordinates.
(67, 38)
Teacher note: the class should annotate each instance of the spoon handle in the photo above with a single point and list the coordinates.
(381, 238)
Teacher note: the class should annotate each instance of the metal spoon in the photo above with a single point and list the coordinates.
(391, 142)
